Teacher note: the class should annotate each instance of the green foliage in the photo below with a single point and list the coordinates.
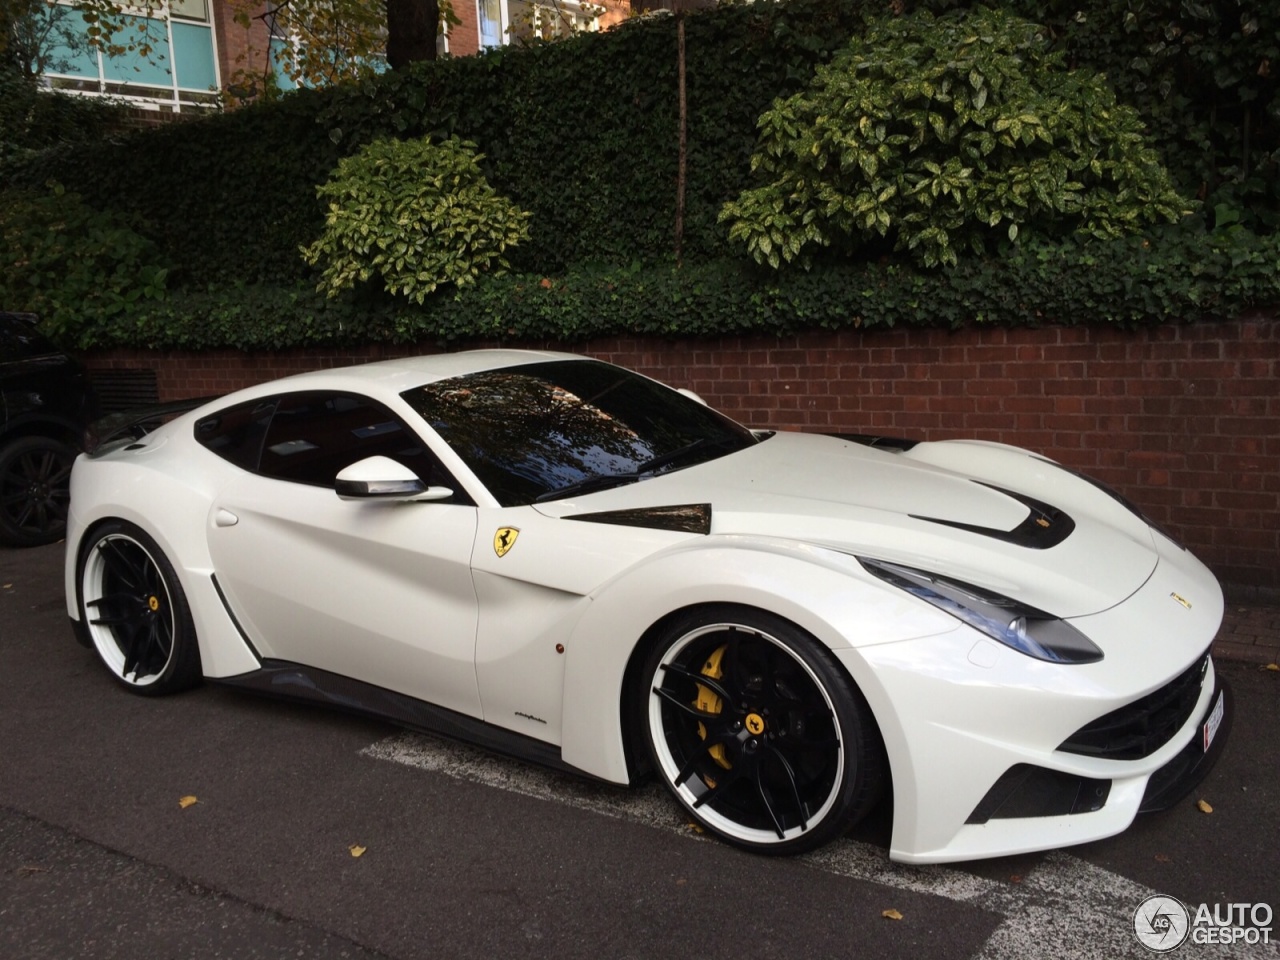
(581, 133)
(228, 195)
(33, 120)
(1179, 273)
(416, 214)
(937, 133)
(72, 264)
(1204, 75)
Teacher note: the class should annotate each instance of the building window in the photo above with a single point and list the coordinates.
(490, 20)
(551, 19)
(181, 68)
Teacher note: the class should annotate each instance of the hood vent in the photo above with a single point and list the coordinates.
(1045, 526)
(893, 444)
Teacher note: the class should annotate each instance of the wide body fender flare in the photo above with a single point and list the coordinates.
(822, 591)
(176, 515)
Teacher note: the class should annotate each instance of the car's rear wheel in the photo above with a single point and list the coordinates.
(758, 732)
(35, 488)
(134, 612)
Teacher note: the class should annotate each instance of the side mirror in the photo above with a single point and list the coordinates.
(381, 478)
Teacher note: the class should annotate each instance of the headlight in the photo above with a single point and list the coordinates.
(1025, 629)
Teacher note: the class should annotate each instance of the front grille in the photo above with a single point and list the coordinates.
(1139, 729)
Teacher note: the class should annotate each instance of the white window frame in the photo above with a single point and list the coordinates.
(120, 90)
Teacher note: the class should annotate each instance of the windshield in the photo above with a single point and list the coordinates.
(542, 430)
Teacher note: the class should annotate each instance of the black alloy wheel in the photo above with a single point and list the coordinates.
(758, 732)
(35, 490)
(134, 612)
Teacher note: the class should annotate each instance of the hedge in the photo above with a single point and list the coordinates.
(1126, 282)
(582, 134)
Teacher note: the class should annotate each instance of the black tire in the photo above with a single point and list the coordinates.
(757, 731)
(35, 489)
(134, 612)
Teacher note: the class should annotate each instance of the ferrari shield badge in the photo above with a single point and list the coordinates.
(504, 540)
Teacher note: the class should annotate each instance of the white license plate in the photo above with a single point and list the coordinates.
(1215, 720)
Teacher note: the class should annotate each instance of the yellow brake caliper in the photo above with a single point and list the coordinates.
(709, 702)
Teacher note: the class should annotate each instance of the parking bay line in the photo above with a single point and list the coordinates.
(1064, 908)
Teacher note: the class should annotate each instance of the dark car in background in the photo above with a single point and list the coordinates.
(45, 403)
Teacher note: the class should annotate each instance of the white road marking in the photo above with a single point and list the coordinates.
(1064, 909)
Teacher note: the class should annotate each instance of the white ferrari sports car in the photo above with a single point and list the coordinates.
(574, 564)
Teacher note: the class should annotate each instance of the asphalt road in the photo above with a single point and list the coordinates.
(467, 855)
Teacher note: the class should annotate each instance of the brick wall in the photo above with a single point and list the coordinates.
(1184, 420)
(243, 52)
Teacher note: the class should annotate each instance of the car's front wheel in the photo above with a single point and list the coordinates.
(35, 488)
(757, 731)
(133, 611)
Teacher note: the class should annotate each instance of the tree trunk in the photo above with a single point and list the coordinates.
(411, 31)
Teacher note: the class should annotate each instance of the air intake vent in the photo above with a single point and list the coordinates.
(1141, 728)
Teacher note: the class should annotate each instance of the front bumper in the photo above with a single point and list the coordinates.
(963, 718)
(1179, 776)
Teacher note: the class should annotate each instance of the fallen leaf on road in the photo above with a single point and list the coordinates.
(694, 827)
(1162, 858)
(185, 802)
(891, 914)
(1016, 878)
(357, 850)
(8, 586)
(1273, 666)
(1204, 806)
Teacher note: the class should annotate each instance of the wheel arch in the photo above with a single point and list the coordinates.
(638, 765)
(175, 516)
(827, 600)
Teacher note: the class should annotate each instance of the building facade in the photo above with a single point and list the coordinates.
(191, 55)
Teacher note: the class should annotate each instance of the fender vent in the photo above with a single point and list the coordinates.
(684, 518)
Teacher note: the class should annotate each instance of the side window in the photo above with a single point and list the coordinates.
(315, 435)
(236, 433)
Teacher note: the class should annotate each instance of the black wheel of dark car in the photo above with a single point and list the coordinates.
(35, 488)
(134, 611)
(758, 732)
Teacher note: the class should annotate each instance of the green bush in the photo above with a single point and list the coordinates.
(417, 215)
(75, 266)
(580, 133)
(1204, 77)
(936, 133)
